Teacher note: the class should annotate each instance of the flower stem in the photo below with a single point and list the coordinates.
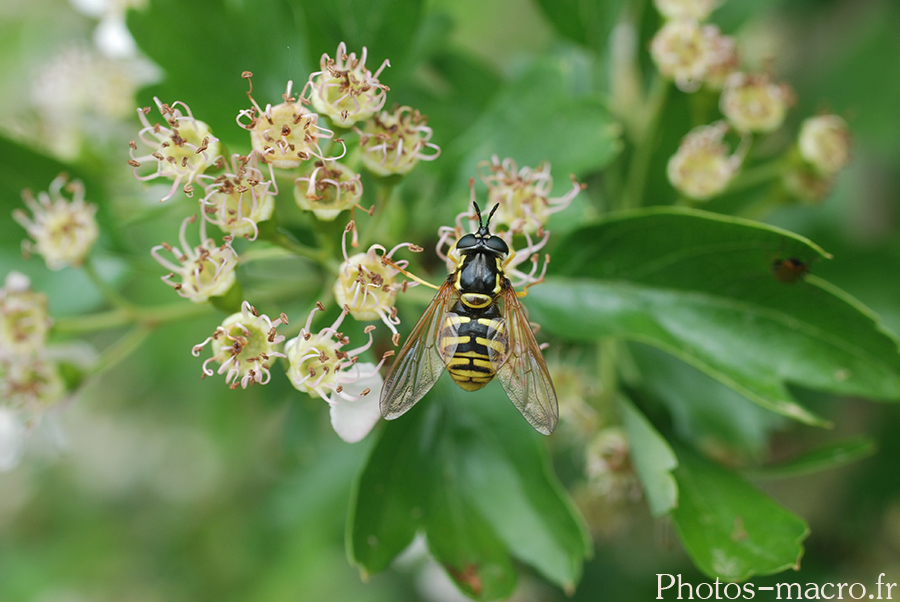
(384, 197)
(283, 240)
(116, 318)
(112, 296)
(608, 350)
(119, 350)
(643, 152)
(756, 175)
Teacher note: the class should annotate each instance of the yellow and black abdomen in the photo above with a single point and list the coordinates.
(476, 336)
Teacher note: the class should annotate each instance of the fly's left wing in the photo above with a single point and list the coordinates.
(521, 369)
(422, 359)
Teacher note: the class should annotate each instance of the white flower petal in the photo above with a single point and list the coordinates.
(12, 439)
(352, 420)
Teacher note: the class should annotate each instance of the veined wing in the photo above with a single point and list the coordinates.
(421, 359)
(521, 369)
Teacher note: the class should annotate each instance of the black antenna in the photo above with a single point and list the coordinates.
(491, 214)
(478, 213)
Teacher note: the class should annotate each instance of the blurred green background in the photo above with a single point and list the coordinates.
(154, 485)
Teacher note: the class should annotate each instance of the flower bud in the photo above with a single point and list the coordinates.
(63, 231)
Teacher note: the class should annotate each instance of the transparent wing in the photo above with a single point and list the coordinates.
(421, 360)
(521, 369)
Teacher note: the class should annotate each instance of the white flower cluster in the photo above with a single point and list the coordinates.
(695, 54)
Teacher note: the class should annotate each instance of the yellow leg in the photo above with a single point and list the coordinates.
(524, 290)
(390, 262)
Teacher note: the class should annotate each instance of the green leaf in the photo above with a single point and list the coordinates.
(388, 502)
(466, 469)
(729, 528)
(203, 64)
(464, 86)
(700, 286)
(588, 22)
(385, 27)
(543, 115)
(705, 411)
(833, 455)
(653, 460)
(463, 541)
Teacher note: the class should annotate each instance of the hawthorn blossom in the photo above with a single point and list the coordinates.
(522, 248)
(703, 167)
(201, 272)
(344, 89)
(328, 189)
(609, 468)
(824, 143)
(30, 384)
(753, 103)
(244, 345)
(320, 367)
(182, 151)
(686, 9)
(286, 134)
(238, 200)
(523, 194)
(394, 141)
(63, 230)
(24, 318)
(367, 285)
(684, 51)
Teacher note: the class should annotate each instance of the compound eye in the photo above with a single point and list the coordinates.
(466, 242)
(495, 243)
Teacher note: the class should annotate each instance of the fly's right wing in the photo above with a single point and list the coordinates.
(422, 358)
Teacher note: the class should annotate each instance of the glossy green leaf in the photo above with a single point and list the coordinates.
(463, 541)
(828, 457)
(587, 22)
(730, 529)
(388, 501)
(542, 115)
(467, 470)
(705, 411)
(465, 85)
(653, 460)
(701, 287)
(385, 27)
(203, 67)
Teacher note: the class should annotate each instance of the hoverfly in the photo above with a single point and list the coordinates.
(476, 329)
